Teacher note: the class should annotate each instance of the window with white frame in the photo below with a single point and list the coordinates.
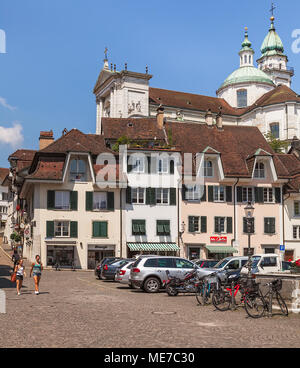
(138, 195)
(138, 165)
(77, 170)
(162, 195)
(269, 195)
(208, 169)
(163, 165)
(62, 200)
(296, 232)
(61, 228)
(192, 193)
(99, 200)
(219, 193)
(259, 171)
(296, 208)
(247, 194)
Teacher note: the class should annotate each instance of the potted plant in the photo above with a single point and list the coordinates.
(295, 266)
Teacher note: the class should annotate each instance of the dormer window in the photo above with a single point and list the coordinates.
(259, 171)
(208, 169)
(77, 170)
(242, 98)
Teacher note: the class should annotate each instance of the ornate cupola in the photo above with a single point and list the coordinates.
(273, 61)
(246, 53)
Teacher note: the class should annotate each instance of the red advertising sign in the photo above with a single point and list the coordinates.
(218, 239)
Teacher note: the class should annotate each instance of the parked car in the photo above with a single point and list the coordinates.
(225, 264)
(122, 274)
(149, 273)
(206, 263)
(108, 271)
(104, 261)
(286, 265)
(266, 263)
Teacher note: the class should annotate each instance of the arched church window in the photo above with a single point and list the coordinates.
(245, 59)
(274, 128)
(242, 98)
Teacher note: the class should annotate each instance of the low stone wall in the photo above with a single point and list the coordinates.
(290, 288)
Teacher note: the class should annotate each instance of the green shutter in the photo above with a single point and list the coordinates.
(73, 229)
(217, 229)
(191, 224)
(99, 229)
(183, 191)
(278, 195)
(239, 194)
(110, 201)
(210, 193)
(167, 227)
(203, 224)
(203, 199)
(89, 201)
(50, 199)
(74, 201)
(129, 167)
(173, 196)
(229, 225)
(228, 194)
(50, 229)
(128, 195)
(259, 195)
(172, 167)
(152, 196)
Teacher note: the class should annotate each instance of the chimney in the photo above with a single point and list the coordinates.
(209, 118)
(45, 139)
(219, 119)
(160, 117)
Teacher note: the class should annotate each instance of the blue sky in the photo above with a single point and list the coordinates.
(55, 53)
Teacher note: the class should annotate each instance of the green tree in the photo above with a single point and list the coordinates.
(277, 145)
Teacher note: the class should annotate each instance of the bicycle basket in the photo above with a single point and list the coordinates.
(277, 285)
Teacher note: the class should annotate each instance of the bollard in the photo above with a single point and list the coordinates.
(2, 301)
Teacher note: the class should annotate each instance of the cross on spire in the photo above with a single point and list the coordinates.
(273, 7)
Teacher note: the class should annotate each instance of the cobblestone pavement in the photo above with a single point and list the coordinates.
(75, 309)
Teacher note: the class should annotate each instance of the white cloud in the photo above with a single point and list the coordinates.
(12, 136)
(4, 103)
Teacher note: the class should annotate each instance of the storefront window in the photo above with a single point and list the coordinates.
(194, 253)
(64, 256)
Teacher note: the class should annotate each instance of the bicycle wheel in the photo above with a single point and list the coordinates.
(221, 300)
(199, 295)
(254, 305)
(282, 305)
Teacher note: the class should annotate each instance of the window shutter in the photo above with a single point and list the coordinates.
(74, 201)
(50, 199)
(50, 229)
(191, 224)
(273, 225)
(89, 201)
(203, 199)
(267, 230)
(217, 230)
(152, 196)
(73, 229)
(239, 194)
(228, 194)
(210, 193)
(172, 166)
(128, 195)
(229, 225)
(203, 224)
(95, 229)
(183, 191)
(99, 229)
(259, 195)
(103, 229)
(153, 165)
(110, 201)
(278, 195)
(129, 167)
(173, 196)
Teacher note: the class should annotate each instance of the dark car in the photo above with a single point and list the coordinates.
(206, 263)
(109, 270)
(104, 261)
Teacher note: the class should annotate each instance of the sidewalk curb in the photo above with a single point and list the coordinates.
(5, 253)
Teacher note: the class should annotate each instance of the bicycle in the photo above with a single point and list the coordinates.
(257, 303)
(205, 287)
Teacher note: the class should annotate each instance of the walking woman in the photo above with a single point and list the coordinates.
(20, 273)
(36, 269)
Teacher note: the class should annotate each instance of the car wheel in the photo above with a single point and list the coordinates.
(152, 285)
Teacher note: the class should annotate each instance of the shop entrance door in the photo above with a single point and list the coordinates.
(96, 256)
(289, 255)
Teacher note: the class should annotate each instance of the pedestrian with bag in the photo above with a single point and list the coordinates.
(15, 257)
(20, 273)
(36, 270)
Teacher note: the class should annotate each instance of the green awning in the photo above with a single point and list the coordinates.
(158, 247)
(221, 249)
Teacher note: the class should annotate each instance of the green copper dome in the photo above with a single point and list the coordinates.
(247, 74)
(272, 44)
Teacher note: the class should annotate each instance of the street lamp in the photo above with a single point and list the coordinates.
(249, 210)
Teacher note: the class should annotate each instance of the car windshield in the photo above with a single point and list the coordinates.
(221, 263)
(254, 260)
(119, 262)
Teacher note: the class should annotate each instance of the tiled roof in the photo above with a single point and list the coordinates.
(4, 172)
(50, 169)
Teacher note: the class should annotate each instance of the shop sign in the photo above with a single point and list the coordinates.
(218, 239)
